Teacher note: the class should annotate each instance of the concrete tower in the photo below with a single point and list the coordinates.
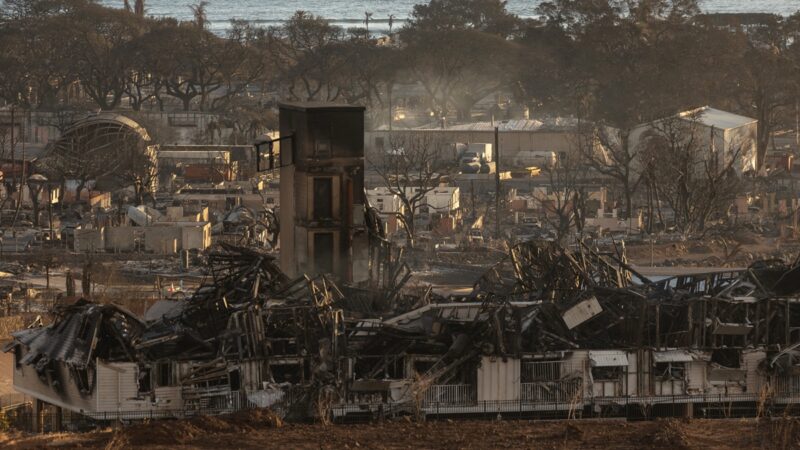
(322, 190)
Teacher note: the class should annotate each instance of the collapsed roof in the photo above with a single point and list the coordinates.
(541, 298)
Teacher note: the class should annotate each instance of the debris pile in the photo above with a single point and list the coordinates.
(251, 335)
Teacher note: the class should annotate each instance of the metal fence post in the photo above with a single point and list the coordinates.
(673, 404)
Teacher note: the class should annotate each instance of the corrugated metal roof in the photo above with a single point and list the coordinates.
(608, 358)
(69, 339)
(194, 154)
(530, 125)
(673, 356)
(163, 308)
(717, 118)
(61, 343)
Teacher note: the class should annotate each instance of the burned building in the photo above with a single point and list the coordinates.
(549, 329)
(108, 149)
(322, 190)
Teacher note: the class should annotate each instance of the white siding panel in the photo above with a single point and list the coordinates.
(107, 388)
(498, 379)
(751, 360)
(169, 397)
(631, 377)
(27, 381)
(128, 383)
(579, 359)
(696, 376)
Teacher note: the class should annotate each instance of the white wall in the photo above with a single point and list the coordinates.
(498, 379)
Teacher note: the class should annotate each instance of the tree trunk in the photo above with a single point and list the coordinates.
(35, 201)
(410, 229)
(464, 113)
(762, 141)
(79, 189)
(628, 203)
(62, 191)
(203, 100)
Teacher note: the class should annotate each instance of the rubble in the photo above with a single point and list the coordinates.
(570, 323)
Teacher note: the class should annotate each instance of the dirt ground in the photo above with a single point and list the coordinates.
(260, 429)
(712, 252)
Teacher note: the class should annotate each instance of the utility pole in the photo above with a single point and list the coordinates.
(391, 111)
(497, 182)
(796, 124)
(13, 146)
(22, 180)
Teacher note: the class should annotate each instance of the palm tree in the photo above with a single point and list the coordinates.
(367, 17)
(199, 12)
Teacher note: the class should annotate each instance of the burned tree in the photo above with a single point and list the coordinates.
(563, 197)
(137, 169)
(690, 173)
(9, 139)
(612, 153)
(36, 185)
(410, 170)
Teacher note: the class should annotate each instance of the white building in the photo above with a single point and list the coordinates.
(388, 205)
(442, 199)
(725, 134)
(516, 137)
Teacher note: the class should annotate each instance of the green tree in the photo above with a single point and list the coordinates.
(488, 16)
(305, 54)
(100, 36)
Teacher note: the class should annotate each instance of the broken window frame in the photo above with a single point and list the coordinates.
(669, 371)
(164, 374)
(608, 373)
(144, 380)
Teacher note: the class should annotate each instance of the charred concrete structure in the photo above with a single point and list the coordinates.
(322, 190)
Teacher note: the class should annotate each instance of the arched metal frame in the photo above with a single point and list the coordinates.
(97, 145)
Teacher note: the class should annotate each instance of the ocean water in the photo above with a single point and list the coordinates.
(350, 13)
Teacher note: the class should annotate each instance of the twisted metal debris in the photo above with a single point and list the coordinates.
(252, 330)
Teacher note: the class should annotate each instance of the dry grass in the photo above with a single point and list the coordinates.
(261, 429)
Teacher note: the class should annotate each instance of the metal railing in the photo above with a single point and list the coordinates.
(532, 371)
(785, 385)
(459, 401)
(450, 394)
(631, 408)
(541, 370)
(222, 401)
(552, 391)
